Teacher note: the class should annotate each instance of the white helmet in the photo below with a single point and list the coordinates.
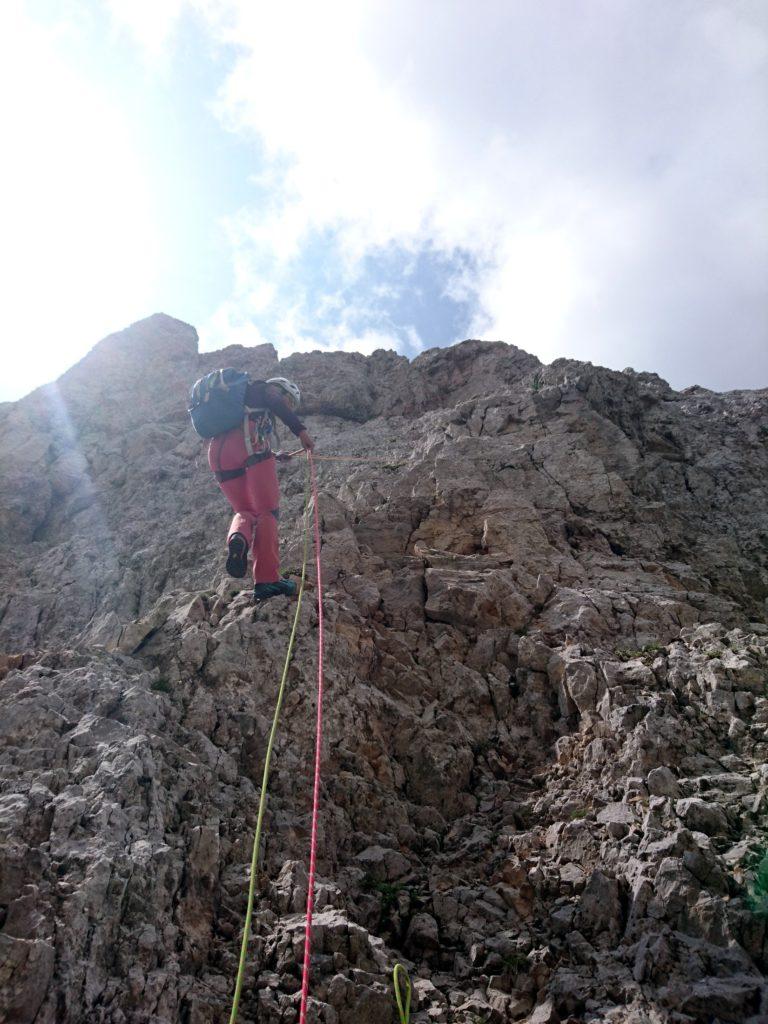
(287, 387)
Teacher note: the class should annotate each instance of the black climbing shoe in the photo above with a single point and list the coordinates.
(237, 558)
(284, 588)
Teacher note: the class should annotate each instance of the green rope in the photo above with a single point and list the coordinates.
(267, 760)
(405, 1013)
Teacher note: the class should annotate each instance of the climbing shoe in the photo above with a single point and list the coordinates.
(284, 588)
(237, 556)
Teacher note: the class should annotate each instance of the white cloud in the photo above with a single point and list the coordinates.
(577, 155)
(230, 325)
(603, 164)
(294, 330)
(151, 22)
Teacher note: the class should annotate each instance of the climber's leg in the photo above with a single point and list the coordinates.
(237, 554)
(227, 452)
(264, 495)
(266, 543)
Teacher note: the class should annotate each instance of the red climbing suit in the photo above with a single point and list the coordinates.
(250, 482)
(254, 497)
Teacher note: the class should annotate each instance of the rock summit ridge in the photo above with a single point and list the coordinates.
(545, 782)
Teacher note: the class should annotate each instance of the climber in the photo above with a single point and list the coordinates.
(243, 463)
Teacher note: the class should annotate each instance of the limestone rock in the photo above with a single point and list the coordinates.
(702, 815)
(546, 724)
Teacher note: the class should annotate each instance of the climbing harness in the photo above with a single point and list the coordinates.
(268, 759)
(318, 742)
(264, 426)
(217, 404)
(403, 1011)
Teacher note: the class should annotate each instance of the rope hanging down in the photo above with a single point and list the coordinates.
(403, 1001)
(318, 743)
(267, 763)
(283, 456)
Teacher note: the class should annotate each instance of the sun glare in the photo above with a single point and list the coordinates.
(78, 248)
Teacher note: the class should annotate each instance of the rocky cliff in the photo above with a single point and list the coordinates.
(545, 786)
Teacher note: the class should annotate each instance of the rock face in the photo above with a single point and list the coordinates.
(545, 778)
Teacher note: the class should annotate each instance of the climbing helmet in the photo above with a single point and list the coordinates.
(288, 388)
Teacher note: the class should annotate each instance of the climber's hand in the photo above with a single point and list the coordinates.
(306, 441)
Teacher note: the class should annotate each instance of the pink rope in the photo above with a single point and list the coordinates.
(318, 740)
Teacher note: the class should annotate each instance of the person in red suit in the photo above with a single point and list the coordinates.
(243, 463)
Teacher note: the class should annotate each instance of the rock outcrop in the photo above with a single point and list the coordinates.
(545, 782)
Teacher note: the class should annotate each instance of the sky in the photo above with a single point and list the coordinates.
(581, 178)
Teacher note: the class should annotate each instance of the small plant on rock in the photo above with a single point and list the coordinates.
(515, 963)
(161, 685)
(386, 891)
(648, 652)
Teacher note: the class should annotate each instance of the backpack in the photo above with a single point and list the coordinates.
(217, 402)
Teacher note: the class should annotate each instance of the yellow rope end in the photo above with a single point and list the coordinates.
(404, 1012)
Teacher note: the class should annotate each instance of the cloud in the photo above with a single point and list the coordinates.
(152, 23)
(593, 176)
